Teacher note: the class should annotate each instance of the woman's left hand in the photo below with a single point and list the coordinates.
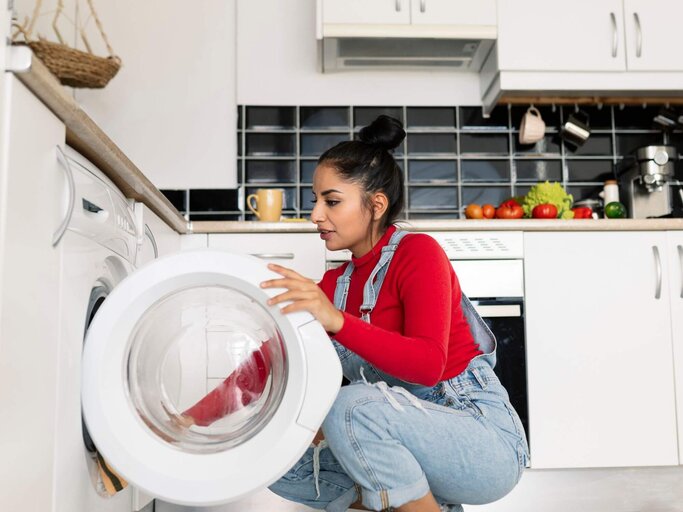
(305, 295)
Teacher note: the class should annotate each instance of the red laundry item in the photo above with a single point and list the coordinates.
(418, 331)
(244, 385)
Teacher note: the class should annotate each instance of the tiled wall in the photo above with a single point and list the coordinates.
(451, 157)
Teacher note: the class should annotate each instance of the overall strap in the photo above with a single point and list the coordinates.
(371, 290)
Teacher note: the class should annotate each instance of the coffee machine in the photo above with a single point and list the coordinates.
(646, 186)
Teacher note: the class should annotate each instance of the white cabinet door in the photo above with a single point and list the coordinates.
(555, 35)
(652, 32)
(30, 211)
(453, 12)
(379, 12)
(303, 252)
(599, 354)
(675, 257)
(172, 107)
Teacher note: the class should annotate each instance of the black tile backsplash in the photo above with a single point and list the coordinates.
(452, 155)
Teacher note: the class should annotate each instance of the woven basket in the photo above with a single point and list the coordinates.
(75, 67)
(72, 67)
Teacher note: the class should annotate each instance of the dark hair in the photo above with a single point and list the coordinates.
(369, 163)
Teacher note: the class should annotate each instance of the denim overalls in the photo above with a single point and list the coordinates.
(390, 441)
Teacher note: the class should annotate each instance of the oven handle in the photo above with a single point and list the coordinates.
(498, 311)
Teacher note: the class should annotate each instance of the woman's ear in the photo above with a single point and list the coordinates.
(380, 204)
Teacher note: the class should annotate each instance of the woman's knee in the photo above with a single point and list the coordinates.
(348, 413)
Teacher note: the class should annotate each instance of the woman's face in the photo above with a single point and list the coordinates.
(342, 218)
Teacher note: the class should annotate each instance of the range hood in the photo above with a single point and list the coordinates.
(456, 37)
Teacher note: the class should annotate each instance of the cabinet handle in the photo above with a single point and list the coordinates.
(615, 34)
(423, 5)
(658, 272)
(639, 35)
(274, 256)
(680, 260)
(72, 197)
(398, 5)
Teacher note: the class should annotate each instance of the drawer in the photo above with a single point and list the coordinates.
(302, 252)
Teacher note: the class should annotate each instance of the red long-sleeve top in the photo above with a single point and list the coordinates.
(418, 331)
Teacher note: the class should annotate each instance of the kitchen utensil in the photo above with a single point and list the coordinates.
(532, 127)
(665, 119)
(576, 129)
(267, 204)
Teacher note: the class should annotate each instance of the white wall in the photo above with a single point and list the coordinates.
(277, 64)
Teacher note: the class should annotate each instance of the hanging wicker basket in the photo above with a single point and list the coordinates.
(72, 67)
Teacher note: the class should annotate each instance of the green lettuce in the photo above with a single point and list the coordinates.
(552, 193)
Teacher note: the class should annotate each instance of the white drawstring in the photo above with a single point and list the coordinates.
(384, 388)
(316, 465)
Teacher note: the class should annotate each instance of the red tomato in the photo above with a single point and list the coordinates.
(509, 211)
(489, 211)
(510, 203)
(544, 211)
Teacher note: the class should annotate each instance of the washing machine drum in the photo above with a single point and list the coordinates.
(194, 389)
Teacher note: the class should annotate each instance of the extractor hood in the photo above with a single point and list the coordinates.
(458, 40)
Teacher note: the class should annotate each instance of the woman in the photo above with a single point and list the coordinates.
(425, 422)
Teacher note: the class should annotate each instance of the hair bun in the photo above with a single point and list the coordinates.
(385, 132)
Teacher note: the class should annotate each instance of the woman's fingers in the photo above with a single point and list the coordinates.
(287, 272)
(292, 284)
(292, 295)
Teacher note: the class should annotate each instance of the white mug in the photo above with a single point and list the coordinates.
(532, 128)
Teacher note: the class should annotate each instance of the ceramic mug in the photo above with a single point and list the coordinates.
(532, 127)
(266, 204)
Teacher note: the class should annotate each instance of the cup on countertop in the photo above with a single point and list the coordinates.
(266, 204)
(532, 127)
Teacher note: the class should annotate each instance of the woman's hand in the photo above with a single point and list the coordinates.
(305, 295)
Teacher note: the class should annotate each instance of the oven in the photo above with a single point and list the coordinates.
(490, 269)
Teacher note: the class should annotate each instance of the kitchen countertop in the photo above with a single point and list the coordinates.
(456, 225)
(83, 134)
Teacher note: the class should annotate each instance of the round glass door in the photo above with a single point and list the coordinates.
(206, 368)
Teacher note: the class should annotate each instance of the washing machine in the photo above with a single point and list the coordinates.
(187, 334)
(98, 244)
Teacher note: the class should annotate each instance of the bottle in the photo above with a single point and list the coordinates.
(610, 192)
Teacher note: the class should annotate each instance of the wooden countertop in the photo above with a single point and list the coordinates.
(457, 225)
(88, 139)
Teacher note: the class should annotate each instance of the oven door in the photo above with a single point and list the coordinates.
(505, 317)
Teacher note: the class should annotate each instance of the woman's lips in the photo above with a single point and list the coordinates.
(326, 235)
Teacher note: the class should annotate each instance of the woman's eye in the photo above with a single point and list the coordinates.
(331, 202)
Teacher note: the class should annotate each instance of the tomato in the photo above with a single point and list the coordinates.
(615, 210)
(510, 203)
(582, 212)
(544, 211)
(474, 211)
(488, 210)
(509, 211)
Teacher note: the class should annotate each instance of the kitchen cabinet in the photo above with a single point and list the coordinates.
(406, 12)
(172, 106)
(674, 253)
(599, 350)
(610, 35)
(303, 252)
(652, 30)
(31, 209)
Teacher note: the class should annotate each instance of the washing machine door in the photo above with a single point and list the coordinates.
(191, 336)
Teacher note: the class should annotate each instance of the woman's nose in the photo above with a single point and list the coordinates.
(317, 213)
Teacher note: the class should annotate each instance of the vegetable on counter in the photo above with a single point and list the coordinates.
(582, 212)
(489, 211)
(615, 210)
(549, 193)
(509, 209)
(544, 211)
(474, 211)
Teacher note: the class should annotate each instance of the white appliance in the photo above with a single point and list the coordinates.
(160, 338)
(405, 34)
(98, 242)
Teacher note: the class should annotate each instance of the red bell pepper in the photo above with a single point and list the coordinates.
(582, 212)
